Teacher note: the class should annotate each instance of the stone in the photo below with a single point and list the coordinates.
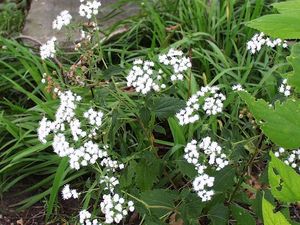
(38, 24)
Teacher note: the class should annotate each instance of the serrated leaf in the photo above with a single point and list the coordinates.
(284, 181)
(160, 201)
(294, 59)
(191, 207)
(165, 107)
(219, 214)
(281, 124)
(271, 218)
(147, 173)
(284, 26)
(241, 215)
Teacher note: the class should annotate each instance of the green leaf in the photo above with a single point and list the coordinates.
(288, 6)
(177, 131)
(147, 173)
(219, 214)
(294, 59)
(241, 215)
(271, 218)
(165, 107)
(284, 181)
(191, 207)
(285, 25)
(281, 124)
(159, 201)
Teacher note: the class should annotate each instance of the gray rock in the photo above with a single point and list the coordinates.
(38, 24)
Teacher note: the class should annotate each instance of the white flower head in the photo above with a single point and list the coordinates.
(63, 19)
(48, 50)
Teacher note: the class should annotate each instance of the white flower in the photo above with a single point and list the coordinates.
(48, 50)
(115, 208)
(237, 87)
(109, 182)
(258, 41)
(201, 155)
(63, 19)
(285, 88)
(68, 193)
(290, 158)
(89, 8)
(212, 105)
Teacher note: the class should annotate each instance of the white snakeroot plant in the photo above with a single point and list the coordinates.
(285, 88)
(201, 155)
(85, 218)
(109, 183)
(68, 193)
(89, 8)
(290, 158)
(258, 41)
(63, 19)
(209, 98)
(47, 50)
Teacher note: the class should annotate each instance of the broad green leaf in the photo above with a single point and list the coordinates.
(294, 59)
(191, 208)
(219, 214)
(147, 173)
(164, 107)
(271, 218)
(241, 215)
(159, 201)
(281, 124)
(284, 25)
(288, 6)
(284, 181)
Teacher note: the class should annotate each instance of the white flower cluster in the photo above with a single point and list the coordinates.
(212, 104)
(89, 8)
(237, 87)
(285, 88)
(68, 193)
(140, 77)
(111, 165)
(85, 218)
(48, 50)
(259, 40)
(94, 117)
(115, 208)
(291, 158)
(63, 19)
(210, 153)
(110, 183)
(144, 78)
(179, 63)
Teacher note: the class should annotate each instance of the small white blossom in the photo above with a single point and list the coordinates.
(48, 50)
(63, 19)
(285, 88)
(68, 193)
(89, 8)
(109, 182)
(115, 208)
(258, 41)
(290, 158)
(237, 87)
(212, 102)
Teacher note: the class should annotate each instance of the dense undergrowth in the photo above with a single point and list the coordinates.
(142, 131)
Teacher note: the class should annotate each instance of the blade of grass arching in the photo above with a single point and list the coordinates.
(177, 131)
(61, 172)
(88, 195)
(32, 97)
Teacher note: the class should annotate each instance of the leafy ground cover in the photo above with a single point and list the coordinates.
(159, 124)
